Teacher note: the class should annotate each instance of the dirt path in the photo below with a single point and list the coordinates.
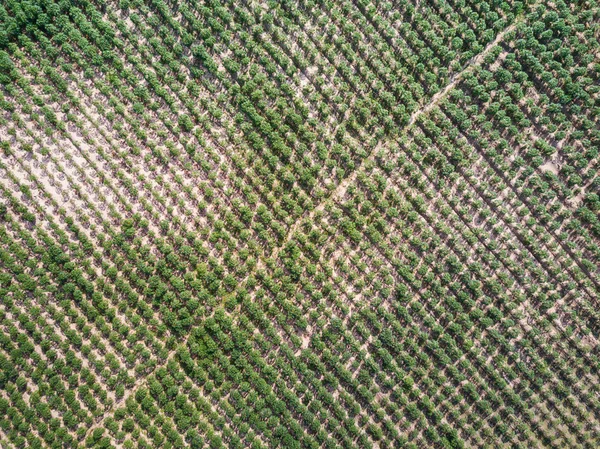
(338, 193)
(456, 78)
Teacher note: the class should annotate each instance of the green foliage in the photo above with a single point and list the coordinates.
(331, 224)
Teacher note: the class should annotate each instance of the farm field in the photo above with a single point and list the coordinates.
(299, 224)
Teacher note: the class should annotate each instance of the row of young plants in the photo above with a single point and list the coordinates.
(552, 354)
(425, 307)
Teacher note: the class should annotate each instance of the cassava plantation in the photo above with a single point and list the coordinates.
(299, 224)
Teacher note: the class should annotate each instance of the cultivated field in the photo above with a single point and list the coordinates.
(299, 224)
